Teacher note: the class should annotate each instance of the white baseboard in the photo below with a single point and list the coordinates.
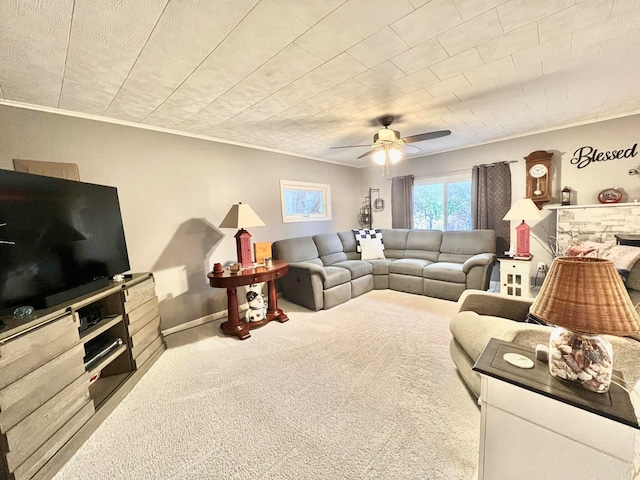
(207, 319)
(195, 323)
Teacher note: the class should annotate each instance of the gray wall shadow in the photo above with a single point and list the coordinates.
(190, 246)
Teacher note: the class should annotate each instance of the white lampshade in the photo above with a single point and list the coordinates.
(380, 157)
(395, 155)
(523, 209)
(241, 216)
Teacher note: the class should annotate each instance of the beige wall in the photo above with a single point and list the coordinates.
(174, 191)
(586, 182)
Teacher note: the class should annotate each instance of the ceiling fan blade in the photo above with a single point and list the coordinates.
(426, 136)
(352, 146)
(368, 153)
(407, 146)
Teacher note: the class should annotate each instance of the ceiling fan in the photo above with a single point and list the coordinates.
(386, 142)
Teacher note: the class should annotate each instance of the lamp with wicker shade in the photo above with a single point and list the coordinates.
(585, 298)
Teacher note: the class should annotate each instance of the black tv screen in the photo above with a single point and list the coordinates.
(58, 239)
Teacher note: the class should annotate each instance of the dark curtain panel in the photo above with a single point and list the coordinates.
(491, 200)
(402, 202)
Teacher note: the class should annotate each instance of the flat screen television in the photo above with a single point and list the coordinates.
(59, 239)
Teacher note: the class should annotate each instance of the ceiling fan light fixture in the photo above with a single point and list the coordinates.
(380, 157)
(395, 155)
(386, 135)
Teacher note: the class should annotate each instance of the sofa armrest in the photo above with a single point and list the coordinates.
(495, 305)
(478, 260)
(310, 268)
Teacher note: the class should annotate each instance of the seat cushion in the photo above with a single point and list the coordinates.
(336, 276)
(408, 266)
(357, 268)
(448, 272)
(381, 266)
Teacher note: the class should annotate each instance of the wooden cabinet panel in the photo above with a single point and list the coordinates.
(49, 448)
(145, 336)
(28, 351)
(149, 351)
(141, 316)
(27, 394)
(26, 437)
(48, 406)
(139, 294)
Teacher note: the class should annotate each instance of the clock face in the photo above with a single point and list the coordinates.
(538, 171)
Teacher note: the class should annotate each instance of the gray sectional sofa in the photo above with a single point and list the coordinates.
(326, 270)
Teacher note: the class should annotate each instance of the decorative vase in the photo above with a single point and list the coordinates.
(582, 358)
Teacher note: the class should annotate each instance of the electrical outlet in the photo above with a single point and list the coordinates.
(542, 267)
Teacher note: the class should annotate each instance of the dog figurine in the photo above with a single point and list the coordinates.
(257, 306)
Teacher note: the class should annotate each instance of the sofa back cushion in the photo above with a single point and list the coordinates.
(299, 249)
(423, 244)
(459, 245)
(348, 240)
(395, 242)
(329, 248)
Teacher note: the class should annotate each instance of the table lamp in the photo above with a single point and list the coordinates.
(584, 298)
(240, 216)
(523, 209)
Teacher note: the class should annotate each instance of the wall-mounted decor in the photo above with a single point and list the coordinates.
(584, 156)
(538, 177)
(370, 205)
(304, 201)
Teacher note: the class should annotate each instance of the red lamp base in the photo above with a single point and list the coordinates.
(523, 235)
(243, 247)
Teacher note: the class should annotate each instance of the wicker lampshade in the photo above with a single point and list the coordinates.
(586, 295)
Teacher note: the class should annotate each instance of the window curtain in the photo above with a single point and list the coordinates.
(491, 200)
(402, 202)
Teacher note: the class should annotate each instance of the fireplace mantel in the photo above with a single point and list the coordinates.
(594, 205)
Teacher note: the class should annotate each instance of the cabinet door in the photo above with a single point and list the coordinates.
(145, 337)
(26, 352)
(142, 315)
(514, 446)
(28, 435)
(27, 394)
(139, 294)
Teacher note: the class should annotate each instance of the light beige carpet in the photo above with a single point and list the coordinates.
(365, 390)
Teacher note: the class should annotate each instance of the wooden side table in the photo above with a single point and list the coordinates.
(535, 426)
(515, 277)
(230, 281)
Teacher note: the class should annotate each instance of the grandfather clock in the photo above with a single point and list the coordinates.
(538, 179)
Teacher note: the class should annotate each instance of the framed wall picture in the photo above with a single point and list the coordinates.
(304, 201)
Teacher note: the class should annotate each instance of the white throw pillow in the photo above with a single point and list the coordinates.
(371, 249)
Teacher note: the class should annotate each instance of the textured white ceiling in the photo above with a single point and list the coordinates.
(302, 76)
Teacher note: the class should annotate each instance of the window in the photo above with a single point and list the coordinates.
(304, 201)
(442, 203)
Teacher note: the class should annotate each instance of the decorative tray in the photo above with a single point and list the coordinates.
(610, 195)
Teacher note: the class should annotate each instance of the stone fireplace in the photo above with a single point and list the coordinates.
(597, 223)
